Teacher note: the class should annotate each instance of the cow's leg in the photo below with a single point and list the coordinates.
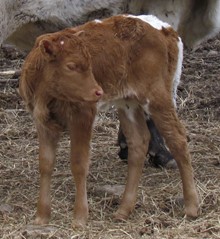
(137, 135)
(159, 154)
(122, 142)
(47, 150)
(80, 132)
(172, 130)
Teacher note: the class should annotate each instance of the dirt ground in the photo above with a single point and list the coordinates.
(159, 210)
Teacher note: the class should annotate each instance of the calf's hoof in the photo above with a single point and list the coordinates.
(159, 160)
(79, 224)
(41, 221)
(163, 160)
(171, 164)
(121, 215)
(192, 212)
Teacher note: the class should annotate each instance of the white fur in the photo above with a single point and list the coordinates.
(177, 76)
(97, 21)
(152, 20)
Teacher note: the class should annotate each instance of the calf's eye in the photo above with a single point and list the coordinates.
(72, 66)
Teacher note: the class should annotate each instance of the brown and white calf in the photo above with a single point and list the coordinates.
(22, 21)
(133, 63)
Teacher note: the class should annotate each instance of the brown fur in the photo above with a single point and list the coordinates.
(63, 78)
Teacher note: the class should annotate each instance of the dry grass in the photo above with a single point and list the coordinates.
(159, 210)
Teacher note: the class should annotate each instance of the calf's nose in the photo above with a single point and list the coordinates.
(99, 92)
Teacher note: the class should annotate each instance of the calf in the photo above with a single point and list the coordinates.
(22, 21)
(122, 61)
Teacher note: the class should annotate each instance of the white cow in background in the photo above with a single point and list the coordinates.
(23, 20)
(195, 20)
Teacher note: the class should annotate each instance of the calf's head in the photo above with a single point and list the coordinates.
(67, 68)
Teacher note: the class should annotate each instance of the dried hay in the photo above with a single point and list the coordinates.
(159, 210)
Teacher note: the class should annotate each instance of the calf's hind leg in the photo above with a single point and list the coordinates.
(173, 131)
(137, 135)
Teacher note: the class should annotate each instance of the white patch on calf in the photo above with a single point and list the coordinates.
(152, 20)
(97, 21)
(177, 75)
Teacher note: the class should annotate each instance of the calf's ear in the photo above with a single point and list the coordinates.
(48, 49)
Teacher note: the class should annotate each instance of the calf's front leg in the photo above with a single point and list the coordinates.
(80, 134)
(47, 150)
